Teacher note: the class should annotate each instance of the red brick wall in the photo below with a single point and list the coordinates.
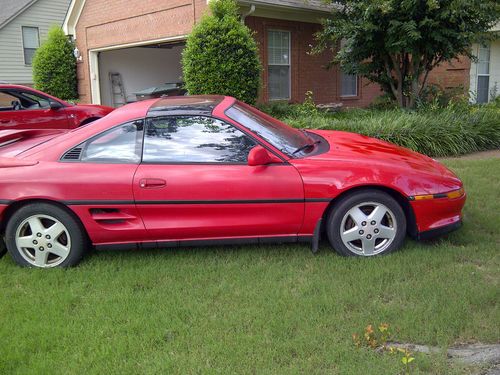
(308, 70)
(114, 22)
(451, 75)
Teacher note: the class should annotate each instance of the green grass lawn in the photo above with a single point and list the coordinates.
(258, 309)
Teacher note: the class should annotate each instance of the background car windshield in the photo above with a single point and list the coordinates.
(283, 137)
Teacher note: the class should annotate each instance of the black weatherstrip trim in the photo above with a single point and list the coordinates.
(4, 201)
(226, 201)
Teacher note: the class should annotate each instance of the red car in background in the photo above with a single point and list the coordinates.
(210, 170)
(23, 107)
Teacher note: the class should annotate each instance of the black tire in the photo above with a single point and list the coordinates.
(3, 248)
(337, 220)
(76, 243)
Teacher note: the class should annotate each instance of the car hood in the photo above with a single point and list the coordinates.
(95, 107)
(345, 146)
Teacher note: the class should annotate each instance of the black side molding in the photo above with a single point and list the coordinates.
(210, 242)
(429, 234)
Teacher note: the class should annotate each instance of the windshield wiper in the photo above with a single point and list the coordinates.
(306, 146)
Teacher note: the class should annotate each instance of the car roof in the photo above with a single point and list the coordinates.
(10, 86)
(185, 105)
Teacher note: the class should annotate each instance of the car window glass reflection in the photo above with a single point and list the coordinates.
(194, 139)
(120, 144)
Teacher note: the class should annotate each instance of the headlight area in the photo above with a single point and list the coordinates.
(454, 194)
(437, 214)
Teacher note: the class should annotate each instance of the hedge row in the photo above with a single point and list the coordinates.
(451, 131)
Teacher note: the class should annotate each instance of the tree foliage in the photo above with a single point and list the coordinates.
(221, 55)
(396, 43)
(54, 66)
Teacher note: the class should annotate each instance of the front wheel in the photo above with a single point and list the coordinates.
(366, 223)
(44, 236)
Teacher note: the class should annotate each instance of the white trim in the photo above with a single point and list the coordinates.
(479, 47)
(72, 16)
(289, 63)
(95, 88)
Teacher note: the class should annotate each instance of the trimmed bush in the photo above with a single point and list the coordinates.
(221, 55)
(54, 66)
(455, 130)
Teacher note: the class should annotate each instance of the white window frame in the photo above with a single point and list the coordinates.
(22, 37)
(289, 63)
(488, 47)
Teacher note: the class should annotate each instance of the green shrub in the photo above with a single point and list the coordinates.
(221, 55)
(455, 130)
(54, 66)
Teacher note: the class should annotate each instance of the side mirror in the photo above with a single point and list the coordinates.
(260, 156)
(55, 105)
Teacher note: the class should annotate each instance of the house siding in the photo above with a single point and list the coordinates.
(42, 14)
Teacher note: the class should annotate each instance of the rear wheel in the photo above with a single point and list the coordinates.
(366, 223)
(44, 236)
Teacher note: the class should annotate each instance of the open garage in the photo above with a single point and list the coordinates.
(126, 72)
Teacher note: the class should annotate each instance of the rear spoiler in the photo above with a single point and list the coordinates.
(9, 137)
(6, 136)
(14, 162)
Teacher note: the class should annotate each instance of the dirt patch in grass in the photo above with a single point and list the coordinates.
(477, 156)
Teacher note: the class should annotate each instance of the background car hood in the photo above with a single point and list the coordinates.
(95, 106)
(357, 147)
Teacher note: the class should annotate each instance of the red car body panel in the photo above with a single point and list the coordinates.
(161, 204)
(69, 116)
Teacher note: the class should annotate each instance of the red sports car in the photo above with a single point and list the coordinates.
(22, 107)
(211, 170)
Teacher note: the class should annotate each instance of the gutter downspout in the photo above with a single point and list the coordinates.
(244, 16)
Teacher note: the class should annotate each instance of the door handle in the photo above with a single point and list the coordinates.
(152, 183)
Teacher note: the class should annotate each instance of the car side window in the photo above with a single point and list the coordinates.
(38, 102)
(7, 101)
(194, 139)
(121, 145)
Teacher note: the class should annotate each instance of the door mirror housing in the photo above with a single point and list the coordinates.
(55, 105)
(260, 156)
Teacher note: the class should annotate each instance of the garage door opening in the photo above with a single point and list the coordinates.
(130, 74)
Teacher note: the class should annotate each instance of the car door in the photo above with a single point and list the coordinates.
(194, 183)
(29, 110)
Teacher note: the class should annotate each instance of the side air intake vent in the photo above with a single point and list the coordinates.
(73, 154)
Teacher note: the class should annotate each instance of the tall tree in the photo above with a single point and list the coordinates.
(396, 43)
(221, 55)
(54, 66)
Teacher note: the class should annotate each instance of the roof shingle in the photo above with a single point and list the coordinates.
(9, 8)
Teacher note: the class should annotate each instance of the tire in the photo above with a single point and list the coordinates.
(42, 235)
(366, 223)
(3, 248)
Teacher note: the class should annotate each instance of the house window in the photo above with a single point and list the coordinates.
(483, 74)
(348, 85)
(278, 52)
(30, 43)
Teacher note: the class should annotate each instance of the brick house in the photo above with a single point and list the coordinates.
(142, 42)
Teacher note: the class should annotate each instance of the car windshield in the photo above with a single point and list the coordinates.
(285, 138)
